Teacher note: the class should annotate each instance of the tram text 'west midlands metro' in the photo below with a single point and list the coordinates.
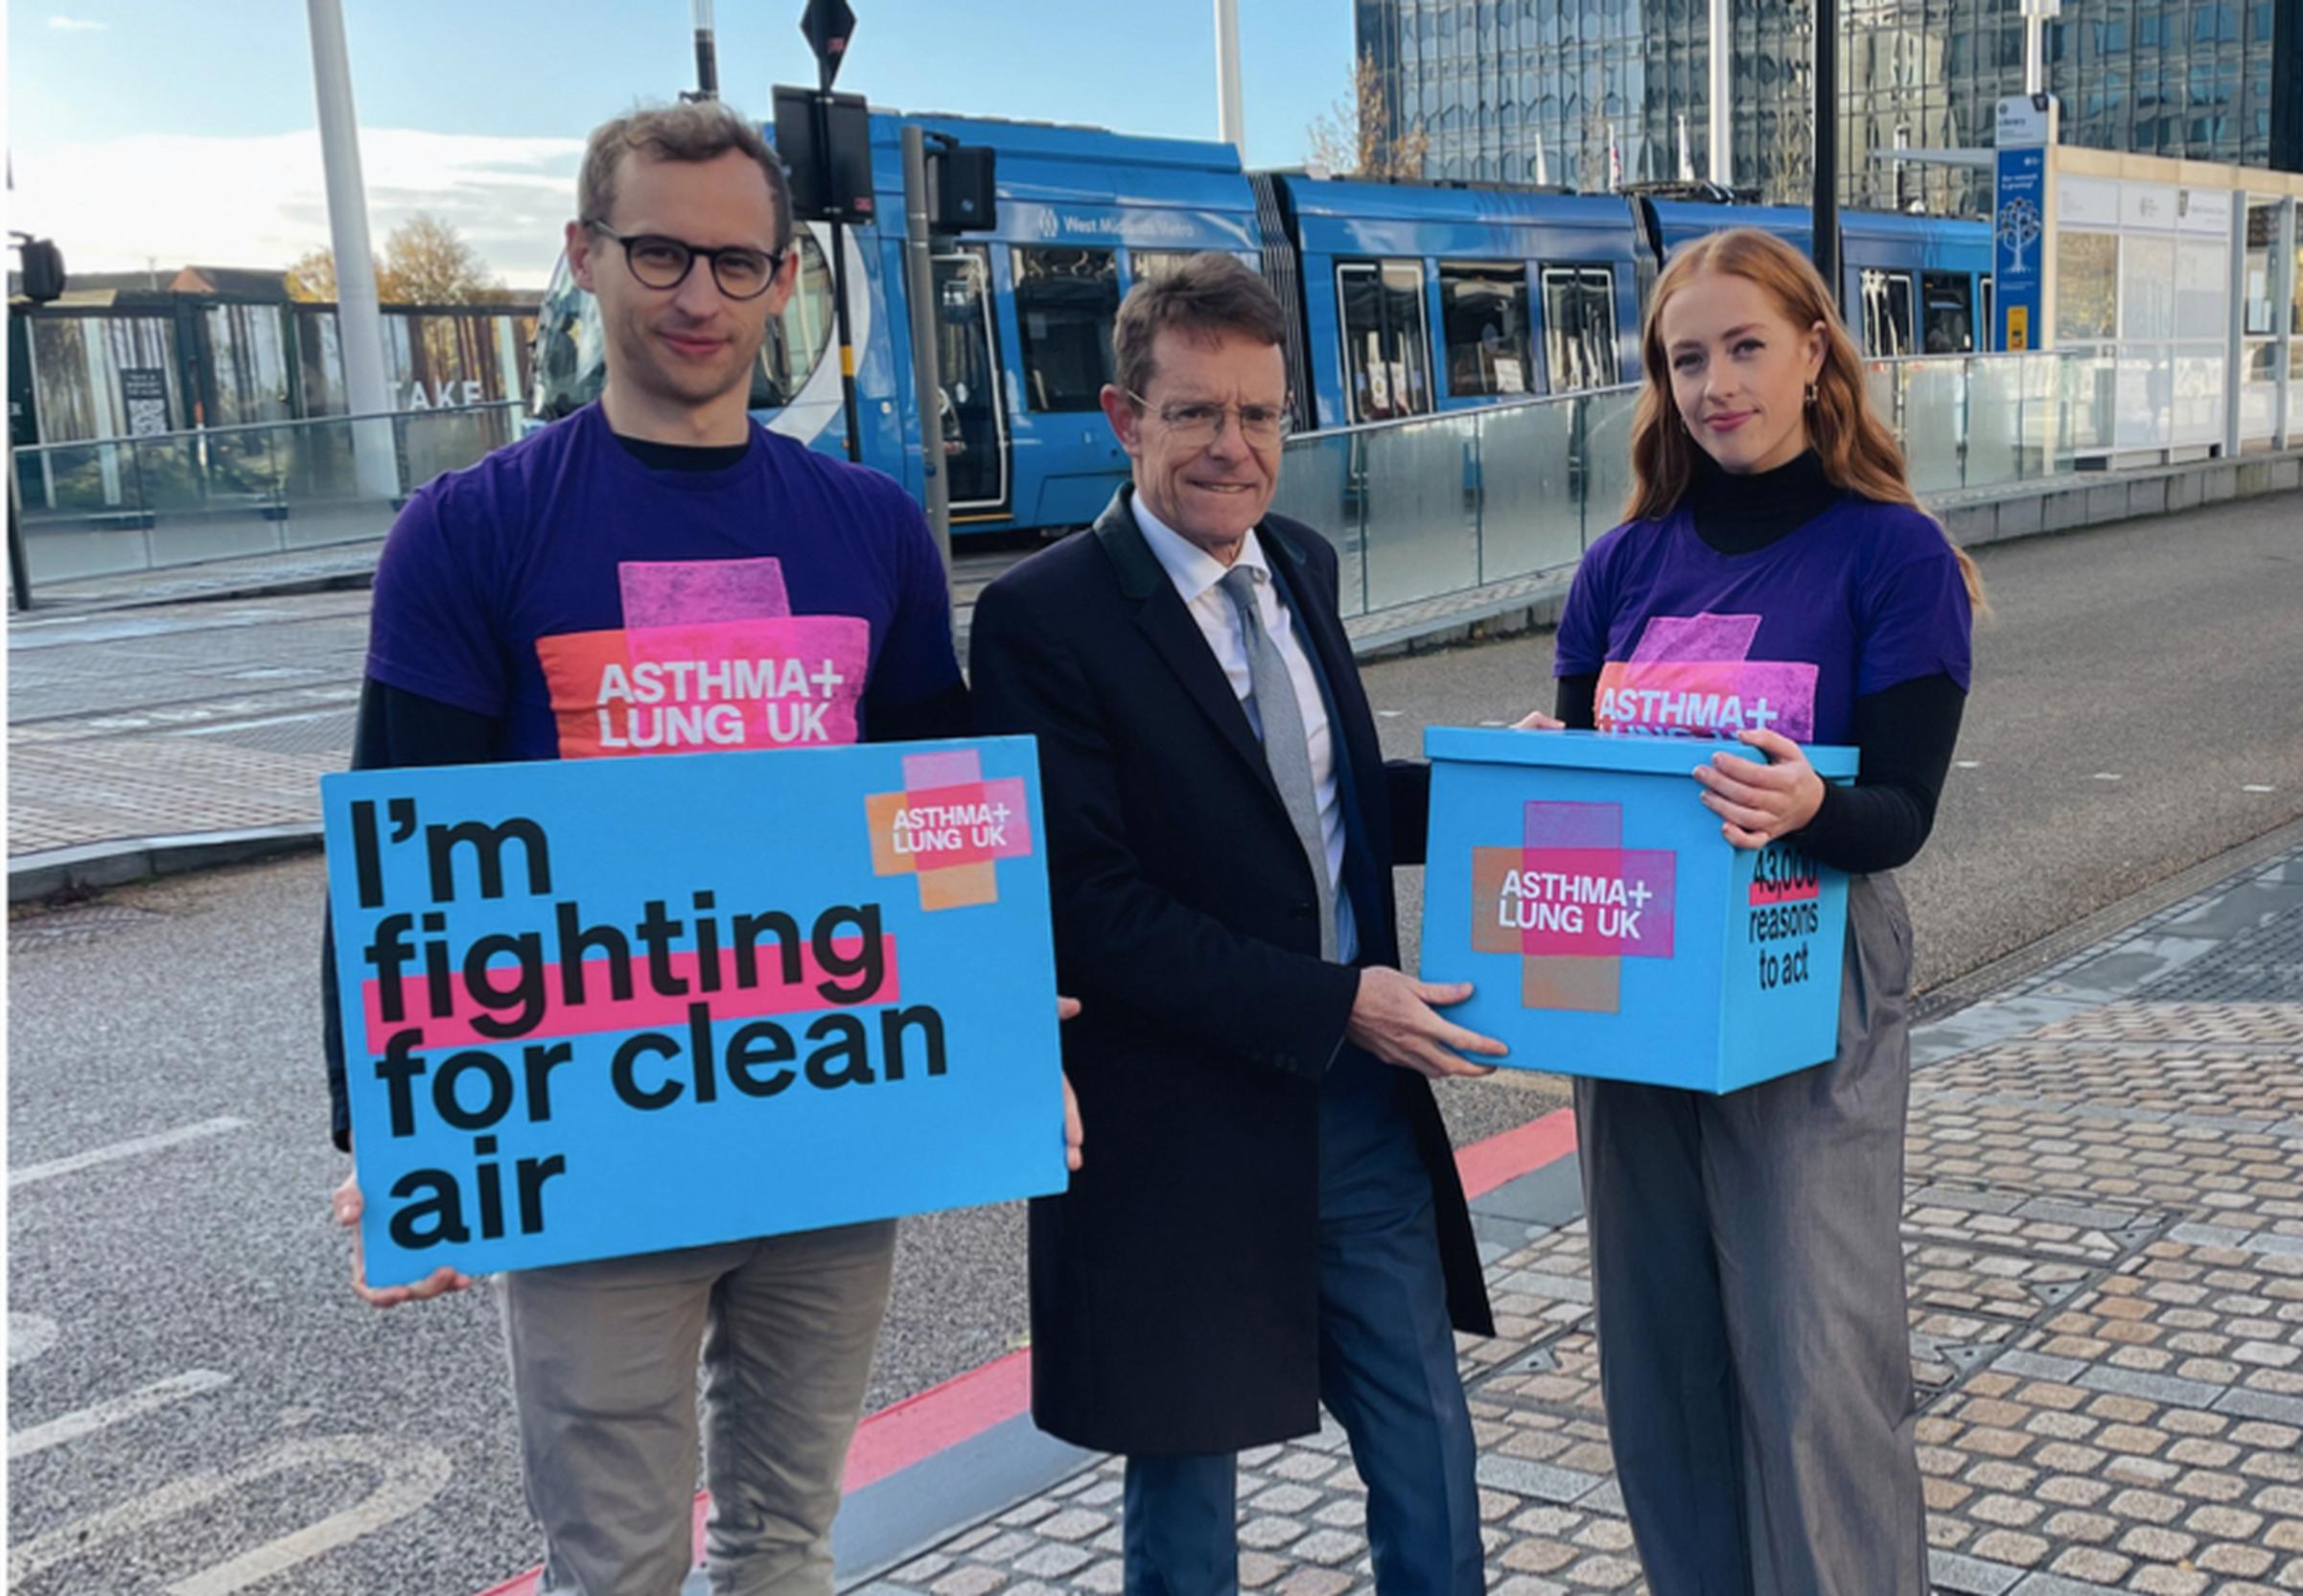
(1405, 299)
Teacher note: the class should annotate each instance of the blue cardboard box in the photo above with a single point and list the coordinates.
(1579, 883)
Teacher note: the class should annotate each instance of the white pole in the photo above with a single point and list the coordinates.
(1231, 113)
(1722, 88)
(359, 322)
(2036, 13)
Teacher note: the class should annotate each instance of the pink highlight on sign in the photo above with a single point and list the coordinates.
(645, 1010)
(682, 592)
(1680, 638)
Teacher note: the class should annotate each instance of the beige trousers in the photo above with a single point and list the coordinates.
(604, 1363)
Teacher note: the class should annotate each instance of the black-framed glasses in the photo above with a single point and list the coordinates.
(658, 262)
(1196, 425)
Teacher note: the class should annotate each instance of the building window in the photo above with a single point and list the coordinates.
(1065, 301)
(1579, 327)
(2086, 286)
(1483, 315)
(1387, 358)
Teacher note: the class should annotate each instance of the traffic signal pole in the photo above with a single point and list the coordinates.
(1827, 144)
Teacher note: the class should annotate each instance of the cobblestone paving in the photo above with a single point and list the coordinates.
(2104, 1238)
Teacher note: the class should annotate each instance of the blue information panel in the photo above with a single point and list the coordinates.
(603, 1007)
(1608, 929)
(2018, 237)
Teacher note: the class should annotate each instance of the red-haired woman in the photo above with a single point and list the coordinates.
(1745, 1255)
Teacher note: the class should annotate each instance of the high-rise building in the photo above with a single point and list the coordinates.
(1590, 93)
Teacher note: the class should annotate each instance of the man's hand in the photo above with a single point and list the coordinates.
(1065, 1008)
(1756, 803)
(439, 1282)
(1393, 1018)
(1072, 1135)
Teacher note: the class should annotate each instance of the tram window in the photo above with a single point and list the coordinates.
(1065, 301)
(1149, 266)
(1579, 327)
(1387, 364)
(1886, 329)
(1484, 311)
(1990, 328)
(1947, 307)
(796, 340)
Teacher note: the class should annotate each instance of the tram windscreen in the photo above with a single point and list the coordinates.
(570, 359)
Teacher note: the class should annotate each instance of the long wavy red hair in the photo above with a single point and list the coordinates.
(1858, 452)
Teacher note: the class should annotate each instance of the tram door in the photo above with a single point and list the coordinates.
(973, 420)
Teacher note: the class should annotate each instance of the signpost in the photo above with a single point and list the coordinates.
(2022, 229)
(144, 391)
(603, 1007)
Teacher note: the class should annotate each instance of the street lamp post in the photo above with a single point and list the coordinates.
(360, 321)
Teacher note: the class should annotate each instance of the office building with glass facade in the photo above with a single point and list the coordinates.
(1589, 94)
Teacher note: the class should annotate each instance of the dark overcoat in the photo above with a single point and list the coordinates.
(1175, 1286)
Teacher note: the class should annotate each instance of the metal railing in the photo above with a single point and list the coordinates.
(1440, 505)
(114, 506)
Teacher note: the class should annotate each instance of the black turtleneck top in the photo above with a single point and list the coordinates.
(1905, 733)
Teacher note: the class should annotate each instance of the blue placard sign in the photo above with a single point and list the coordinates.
(602, 1007)
(2026, 127)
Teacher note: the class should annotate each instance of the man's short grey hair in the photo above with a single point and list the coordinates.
(1206, 295)
(695, 131)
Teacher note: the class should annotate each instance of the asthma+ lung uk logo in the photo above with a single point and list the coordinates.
(1573, 903)
(1692, 675)
(949, 827)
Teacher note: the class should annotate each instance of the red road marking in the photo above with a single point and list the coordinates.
(944, 1415)
(1487, 1165)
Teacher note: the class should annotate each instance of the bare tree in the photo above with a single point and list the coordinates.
(1353, 138)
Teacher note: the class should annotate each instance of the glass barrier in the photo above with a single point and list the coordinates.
(121, 505)
(1442, 504)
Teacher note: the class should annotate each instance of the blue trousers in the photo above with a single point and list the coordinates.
(1388, 1374)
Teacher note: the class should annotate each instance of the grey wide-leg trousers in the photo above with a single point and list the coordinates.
(1754, 1349)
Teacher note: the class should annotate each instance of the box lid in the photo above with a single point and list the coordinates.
(1592, 751)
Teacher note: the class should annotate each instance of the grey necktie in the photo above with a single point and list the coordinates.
(1287, 747)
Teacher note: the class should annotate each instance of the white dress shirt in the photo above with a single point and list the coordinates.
(1198, 577)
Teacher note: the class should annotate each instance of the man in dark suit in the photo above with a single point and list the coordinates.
(1273, 1218)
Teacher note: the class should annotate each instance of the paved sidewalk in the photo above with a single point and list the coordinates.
(2104, 1239)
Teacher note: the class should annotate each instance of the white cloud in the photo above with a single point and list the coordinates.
(177, 199)
(76, 25)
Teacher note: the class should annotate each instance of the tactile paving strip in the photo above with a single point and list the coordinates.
(2266, 967)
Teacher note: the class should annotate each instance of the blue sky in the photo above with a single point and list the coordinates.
(149, 128)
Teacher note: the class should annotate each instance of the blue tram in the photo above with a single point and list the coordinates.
(1404, 300)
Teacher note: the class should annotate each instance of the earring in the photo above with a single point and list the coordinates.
(1811, 395)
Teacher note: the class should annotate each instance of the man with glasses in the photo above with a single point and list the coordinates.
(1272, 1219)
(517, 608)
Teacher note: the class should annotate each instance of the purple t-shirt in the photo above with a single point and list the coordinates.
(601, 607)
(1688, 641)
